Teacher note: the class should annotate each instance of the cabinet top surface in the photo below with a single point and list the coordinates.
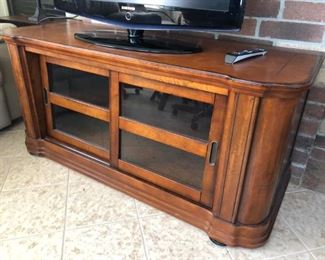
(280, 66)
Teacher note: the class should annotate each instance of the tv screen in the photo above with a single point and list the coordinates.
(216, 15)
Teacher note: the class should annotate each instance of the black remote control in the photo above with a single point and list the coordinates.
(233, 57)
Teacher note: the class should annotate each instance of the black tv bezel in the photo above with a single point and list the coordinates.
(231, 25)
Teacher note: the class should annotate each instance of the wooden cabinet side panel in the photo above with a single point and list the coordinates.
(26, 89)
(264, 168)
(36, 86)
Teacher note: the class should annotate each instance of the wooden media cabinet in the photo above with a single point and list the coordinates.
(204, 141)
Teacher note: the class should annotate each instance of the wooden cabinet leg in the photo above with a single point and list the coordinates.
(217, 242)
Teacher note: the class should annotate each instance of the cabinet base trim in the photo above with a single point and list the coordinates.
(225, 233)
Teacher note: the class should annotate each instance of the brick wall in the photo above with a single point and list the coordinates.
(289, 23)
(308, 161)
(296, 24)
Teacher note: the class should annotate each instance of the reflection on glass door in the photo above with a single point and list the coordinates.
(80, 85)
(180, 115)
(88, 129)
(77, 105)
(172, 163)
(164, 137)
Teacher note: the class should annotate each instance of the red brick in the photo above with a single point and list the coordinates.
(292, 31)
(315, 178)
(300, 157)
(317, 94)
(309, 127)
(305, 11)
(262, 8)
(249, 40)
(248, 27)
(304, 142)
(320, 141)
(318, 154)
(297, 171)
(180, 34)
(320, 79)
(314, 111)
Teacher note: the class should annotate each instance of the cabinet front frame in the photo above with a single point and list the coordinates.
(117, 123)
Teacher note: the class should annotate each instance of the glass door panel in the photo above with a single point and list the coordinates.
(173, 113)
(80, 85)
(77, 105)
(165, 135)
(88, 129)
(172, 163)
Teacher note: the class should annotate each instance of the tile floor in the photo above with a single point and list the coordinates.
(50, 212)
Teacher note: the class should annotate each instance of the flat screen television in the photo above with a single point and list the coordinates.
(140, 15)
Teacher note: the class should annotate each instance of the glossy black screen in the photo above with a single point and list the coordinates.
(161, 14)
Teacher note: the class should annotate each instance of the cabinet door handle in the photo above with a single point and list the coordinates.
(213, 153)
(45, 96)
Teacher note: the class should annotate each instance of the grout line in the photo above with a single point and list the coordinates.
(295, 233)
(34, 187)
(29, 236)
(311, 252)
(257, 28)
(317, 248)
(229, 253)
(281, 9)
(296, 191)
(106, 223)
(299, 165)
(141, 230)
(318, 148)
(310, 102)
(4, 181)
(305, 190)
(277, 19)
(65, 215)
(309, 1)
(312, 255)
(290, 254)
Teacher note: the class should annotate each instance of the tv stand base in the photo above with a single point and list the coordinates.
(134, 40)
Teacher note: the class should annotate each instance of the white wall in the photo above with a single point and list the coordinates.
(3, 8)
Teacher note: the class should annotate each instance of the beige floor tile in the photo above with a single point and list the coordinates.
(319, 254)
(17, 126)
(120, 240)
(12, 144)
(90, 202)
(305, 213)
(299, 256)
(169, 238)
(30, 212)
(281, 242)
(3, 171)
(26, 172)
(145, 210)
(42, 247)
(294, 188)
(75, 176)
